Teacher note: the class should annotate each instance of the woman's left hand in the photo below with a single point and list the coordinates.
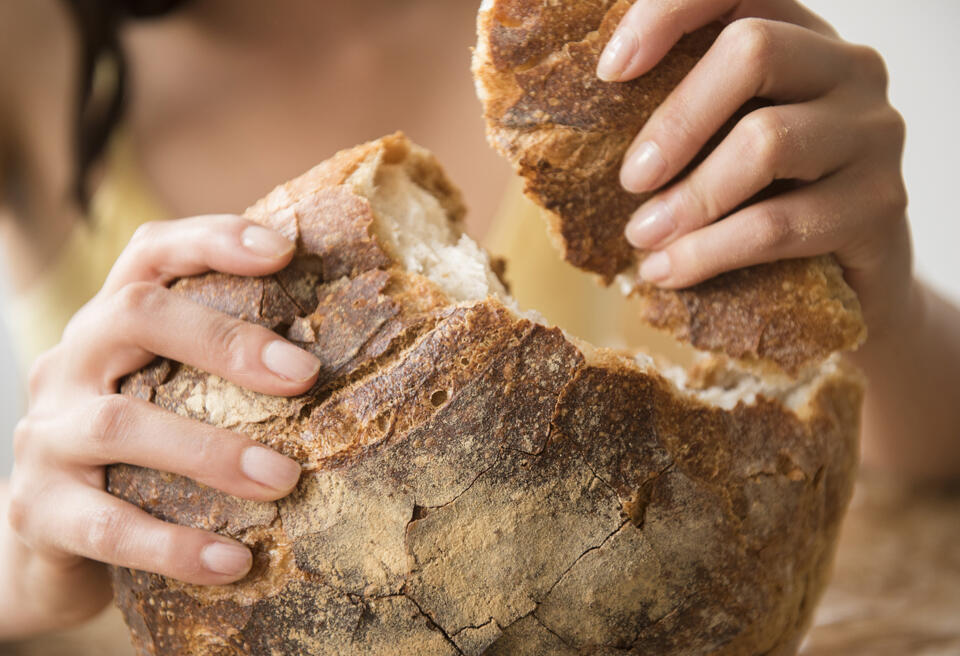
(830, 129)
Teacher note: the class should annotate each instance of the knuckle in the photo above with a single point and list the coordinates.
(682, 253)
(699, 204)
(104, 533)
(690, 260)
(17, 514)
(175, 552)
(85, 316)
(870, 65)
(18, 506)
(107, 420)
(893, 198)
(23, 434)
(228, 338)
(39, 373)
(895, 127)
(145, 234)
(141, 246)
(208, 453)
(765, 136)
(750, 41)
(770, 229)
(675, 125)
(137, 297)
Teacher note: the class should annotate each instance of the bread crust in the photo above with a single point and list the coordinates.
(476, 483)
(566, 133)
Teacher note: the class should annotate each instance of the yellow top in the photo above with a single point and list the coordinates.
(121, 203)
(539, 279)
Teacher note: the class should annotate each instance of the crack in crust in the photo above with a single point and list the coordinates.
(550, 501)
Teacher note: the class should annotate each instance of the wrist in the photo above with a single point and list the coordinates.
(889, 334)
(881, 273)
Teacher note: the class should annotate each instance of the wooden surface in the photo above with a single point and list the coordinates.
(896, 584)
(895, 590)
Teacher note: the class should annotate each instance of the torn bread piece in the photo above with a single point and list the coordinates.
(566, 133)
(476, 482)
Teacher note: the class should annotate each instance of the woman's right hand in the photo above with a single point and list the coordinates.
(65, 523)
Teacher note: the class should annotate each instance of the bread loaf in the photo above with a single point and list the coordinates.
(476, 482)
(566, 133)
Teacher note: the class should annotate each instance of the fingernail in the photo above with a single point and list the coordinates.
(617, 55)
(265, 243)
(290, 362)
(643, 168)
(656, 267)
(651, 224)
(269, 468)
(224, 558)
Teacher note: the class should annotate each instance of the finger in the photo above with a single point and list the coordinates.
(789, 142)
(115, 428)
(652, 27)
(649, 30)
(785, 11)
(812, 220)
(144, 319)
(752, 58)
(72, 518)
(164, 250)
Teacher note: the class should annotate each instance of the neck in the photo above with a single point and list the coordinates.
(293, 22)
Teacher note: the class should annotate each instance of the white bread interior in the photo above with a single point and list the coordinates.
(417, 230)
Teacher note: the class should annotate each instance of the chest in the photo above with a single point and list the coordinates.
(240, 117)
(215, 123)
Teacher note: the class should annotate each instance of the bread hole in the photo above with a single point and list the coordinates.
(438, 398)
(419, 512)
(383, 422)
(261, 564)
(465, 362)
(635, 508)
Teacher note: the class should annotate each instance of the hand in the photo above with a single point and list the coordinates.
(831, 132)
(77, 423)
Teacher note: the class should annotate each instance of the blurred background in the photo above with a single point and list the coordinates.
(918, 41)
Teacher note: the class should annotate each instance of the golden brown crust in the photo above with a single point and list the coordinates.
(791, 313)
(475, 483)
(566, 132)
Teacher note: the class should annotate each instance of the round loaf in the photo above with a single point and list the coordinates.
(476, 482)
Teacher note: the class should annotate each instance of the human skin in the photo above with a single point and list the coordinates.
(829, 129)
(269, 93)
(62, 525)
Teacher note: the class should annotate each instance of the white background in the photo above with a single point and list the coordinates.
(918, 40)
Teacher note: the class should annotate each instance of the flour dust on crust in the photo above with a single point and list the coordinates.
(477, 482)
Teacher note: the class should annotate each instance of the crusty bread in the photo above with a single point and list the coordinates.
(476, 482)
(566, 133)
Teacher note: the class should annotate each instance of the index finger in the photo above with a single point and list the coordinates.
(164, 250)
(651, 28)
